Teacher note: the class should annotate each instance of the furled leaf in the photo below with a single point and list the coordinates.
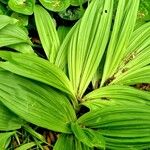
(5, 20)
(36, 103)
(4, 137)
(89, 137)
(69, 142)
(72, 13)
(88, 44)
(123, 27)
(22, 6)
(7, 36)
(47, 32)
(55, 5)
(8, 120)
(41, 70)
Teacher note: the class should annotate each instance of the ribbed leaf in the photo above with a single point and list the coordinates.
(4, 137)
(89, 137)
(88, 44)
(123, 27)
(61, 59)
(22, 6)
(47, 32)
(134, 67)
(22, 47)
(5, 20)
(36, 102)
(36, 68)
(7, 36)
(8, 120)
(69, 142)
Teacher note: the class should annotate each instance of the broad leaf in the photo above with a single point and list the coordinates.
(36, 68)
(22, 6)
(89, 137)
(5, 20)
(4, 138)
(47, 32)
(55, 5)
(7, 36)
(123, 27)
(88, 44)
(8, 120)
(35, 102)
(69, 142)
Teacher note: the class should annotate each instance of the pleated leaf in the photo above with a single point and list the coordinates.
(36, 103)
(69, 142)
(13, 34)
(123, 27)
(134, 67)
(8, 120)
(89, 137)
(5, 20)
(61, 59)
(4, 138)
(88, 44)
(36, 68)
(47, 32)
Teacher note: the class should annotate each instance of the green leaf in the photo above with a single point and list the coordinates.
(123, 27)
(5, 20)
(7, 36)
(26, 146)
(88, 44)
(61, 59)
(4, 137)
(77, 2)
(47, 32)
(144, 10)
(55, 5)
(41, 70)
(23, 48)
(72, 13)
(134, 67)
(22, 6)
(8, 120)
(36, 103)
(62, 32)
(89, 137)
(69, 142)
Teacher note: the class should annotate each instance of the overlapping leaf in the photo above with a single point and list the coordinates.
(69, 142)
(41, 70)
(134, 67)
(88, 44)
(5, 20)
(37, 103)
(8, 120)
(4, 138)
(7, 36)
(47, 32)
(123, 27)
